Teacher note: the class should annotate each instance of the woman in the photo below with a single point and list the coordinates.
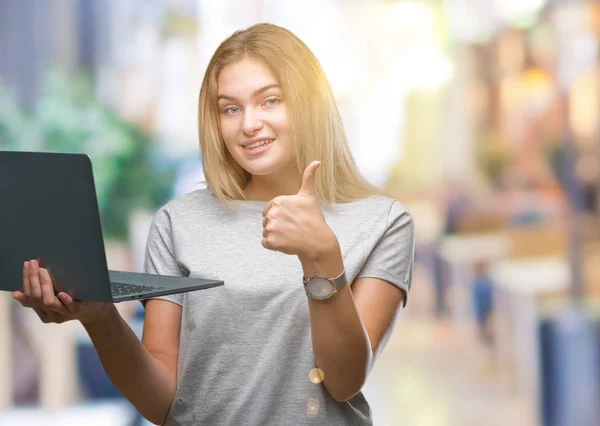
(278, 344)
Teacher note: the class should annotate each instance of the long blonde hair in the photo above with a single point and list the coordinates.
(315, 124)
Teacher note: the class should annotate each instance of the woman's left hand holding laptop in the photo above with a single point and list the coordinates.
(38, 294)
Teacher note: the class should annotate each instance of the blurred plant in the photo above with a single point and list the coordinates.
(12, 121)
(492, 156)
(70, 119)
(128, 172)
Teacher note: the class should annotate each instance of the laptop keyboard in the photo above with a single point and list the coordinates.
(122, 289)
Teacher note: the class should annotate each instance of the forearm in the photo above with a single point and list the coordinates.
(142, 379)
(340, 342)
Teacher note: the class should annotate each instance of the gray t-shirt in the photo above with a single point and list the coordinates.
(245, 350)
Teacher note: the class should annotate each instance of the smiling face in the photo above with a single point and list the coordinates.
(300, 120)
(253, 118)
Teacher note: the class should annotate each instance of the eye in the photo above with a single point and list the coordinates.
(273, 101)
(232, 110)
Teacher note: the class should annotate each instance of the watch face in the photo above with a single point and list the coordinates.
(319, 288)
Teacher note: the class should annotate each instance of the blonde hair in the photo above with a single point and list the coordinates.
(315, 124)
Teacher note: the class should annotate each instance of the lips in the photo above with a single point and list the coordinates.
(257, 143)
(258, 147)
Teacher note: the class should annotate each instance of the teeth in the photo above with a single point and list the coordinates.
(259, 143)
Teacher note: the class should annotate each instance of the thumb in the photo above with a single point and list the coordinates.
(308, 179)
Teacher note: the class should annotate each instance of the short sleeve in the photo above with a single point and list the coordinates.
(160, 254)
(392, 257)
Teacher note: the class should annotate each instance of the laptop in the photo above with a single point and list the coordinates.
(49, 212)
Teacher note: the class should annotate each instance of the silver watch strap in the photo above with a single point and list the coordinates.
(340, 281)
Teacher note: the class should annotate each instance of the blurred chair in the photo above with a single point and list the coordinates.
(538, 241)
(478, 222)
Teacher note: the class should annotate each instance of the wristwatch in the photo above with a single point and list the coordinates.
(320, 288)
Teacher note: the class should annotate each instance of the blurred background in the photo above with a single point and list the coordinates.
(482, 116)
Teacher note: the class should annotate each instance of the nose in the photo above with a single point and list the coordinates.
(252, 123)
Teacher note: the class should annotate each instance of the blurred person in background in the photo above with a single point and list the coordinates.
(482, 295)
(455, 204)
(317, 264)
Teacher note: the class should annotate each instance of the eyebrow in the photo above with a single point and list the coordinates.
(255, 93)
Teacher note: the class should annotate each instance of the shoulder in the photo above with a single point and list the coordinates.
(198, 202)
(198, 199)
(377, 206)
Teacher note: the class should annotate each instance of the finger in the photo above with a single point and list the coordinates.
(66, 300)
(270, 243)
(51, 302)
(270, 226)
(308, 179)
(34, 281)
(26, 285)
(267, 208)
(21, 298)
(265, 222)
(265, 243)
(46, 286)
(265, 233)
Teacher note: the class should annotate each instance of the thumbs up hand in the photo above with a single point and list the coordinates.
(308, 179)
(295, 225)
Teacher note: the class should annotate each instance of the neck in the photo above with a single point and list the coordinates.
(265, 188)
